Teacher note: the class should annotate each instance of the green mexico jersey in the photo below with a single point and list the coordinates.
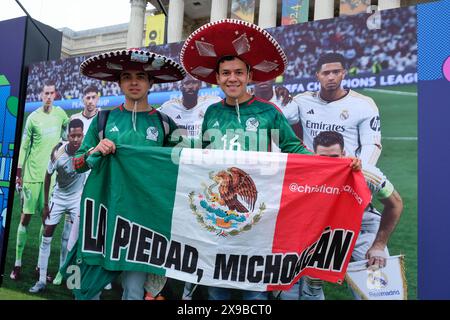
(261, 127)
(119, 129)
(42, 132)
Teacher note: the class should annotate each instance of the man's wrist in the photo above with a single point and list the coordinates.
(90, 151)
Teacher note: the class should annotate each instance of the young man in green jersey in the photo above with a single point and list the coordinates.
(229, 53)
(43, 130)
(134, 123)
(243, 121)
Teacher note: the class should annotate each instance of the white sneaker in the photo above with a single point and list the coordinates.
(38, 287)
(108, 286)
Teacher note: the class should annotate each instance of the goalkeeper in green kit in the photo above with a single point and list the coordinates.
(43, 130)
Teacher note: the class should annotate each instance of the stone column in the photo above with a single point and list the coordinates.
(135, 34)
(323, 9)
(175, 21)
(267, 13)
(219, 10)
(388, 4)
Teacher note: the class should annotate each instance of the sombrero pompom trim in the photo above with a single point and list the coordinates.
(263, 69)
(107, 66)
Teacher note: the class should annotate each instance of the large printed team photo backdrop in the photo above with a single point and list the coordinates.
(381, 63)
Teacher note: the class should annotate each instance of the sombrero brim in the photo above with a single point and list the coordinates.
(230, 37)
(109, 65)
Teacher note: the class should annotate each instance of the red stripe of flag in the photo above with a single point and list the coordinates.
(304, 216)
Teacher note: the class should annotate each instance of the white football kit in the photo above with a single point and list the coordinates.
(76, 222)
(66, 194)
(189, 119)
(65, 199)
(86, 121)
(289, 110)
(381, 188)
(355, 116)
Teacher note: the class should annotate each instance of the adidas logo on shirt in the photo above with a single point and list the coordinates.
(310, 111)
(178, 117)
(114, 129)
(216, 124)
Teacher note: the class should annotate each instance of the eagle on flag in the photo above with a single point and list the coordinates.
(235, 182)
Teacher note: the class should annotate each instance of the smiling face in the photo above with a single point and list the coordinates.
(135, 84)
(330, 76)
(233, 78)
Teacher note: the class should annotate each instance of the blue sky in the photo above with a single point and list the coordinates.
(74, 14)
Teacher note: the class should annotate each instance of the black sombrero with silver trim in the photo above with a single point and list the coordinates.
(107, 66)
(231, 37)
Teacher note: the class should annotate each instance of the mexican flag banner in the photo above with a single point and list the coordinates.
(249, 220)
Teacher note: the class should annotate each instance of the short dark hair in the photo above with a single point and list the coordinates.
(327, 139)
(330, 57)
(76, 123)
(90, 88)
(49, 83)
(230, 58)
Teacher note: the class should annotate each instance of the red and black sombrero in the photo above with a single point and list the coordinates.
(108, 66)
(230, 37)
